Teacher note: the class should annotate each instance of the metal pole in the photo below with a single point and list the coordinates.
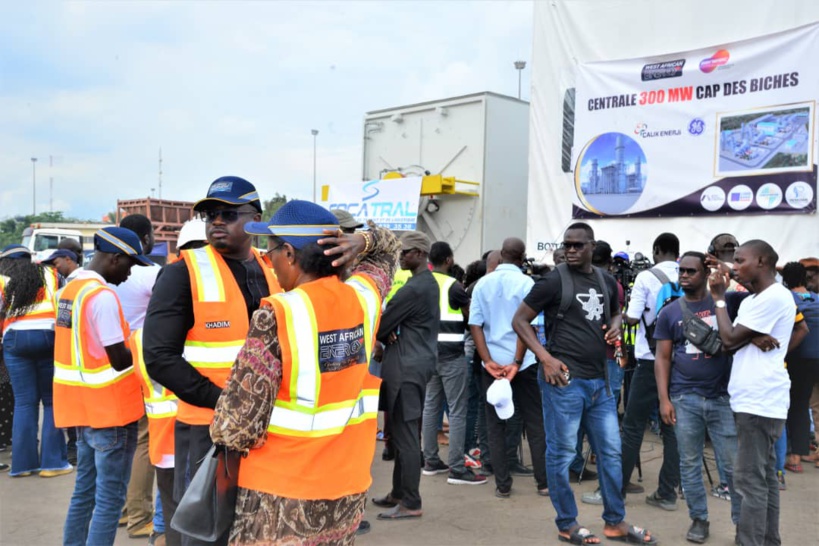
(519, 66)
(33, 185)
(520, 74)
(51, 183)
(314, 132)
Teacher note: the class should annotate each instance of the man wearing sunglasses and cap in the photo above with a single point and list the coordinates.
(198, 318)
(95, 389)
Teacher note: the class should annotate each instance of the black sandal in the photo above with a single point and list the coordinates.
(579, 535)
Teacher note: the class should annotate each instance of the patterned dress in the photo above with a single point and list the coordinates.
(242, 416)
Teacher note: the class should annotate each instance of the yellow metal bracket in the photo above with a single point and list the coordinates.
(437, 184)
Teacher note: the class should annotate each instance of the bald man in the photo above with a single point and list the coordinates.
(759, 386)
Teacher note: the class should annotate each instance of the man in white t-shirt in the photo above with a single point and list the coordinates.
(134, 295)
(643, 399)
(759, 386)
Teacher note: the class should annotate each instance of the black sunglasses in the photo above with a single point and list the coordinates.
(689, 271)
(575, 246)
(228, 215)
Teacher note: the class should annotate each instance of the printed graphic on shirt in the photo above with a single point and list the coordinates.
(340, 349)
(592, 304)
(708, 319)
(64, 313)
(217, 324)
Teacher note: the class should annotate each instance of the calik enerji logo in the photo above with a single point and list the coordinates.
(716, 60)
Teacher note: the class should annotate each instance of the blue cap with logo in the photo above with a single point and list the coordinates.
(118, 240)
(15, 252)
(230, 190)
(296, 222)
(60, 253)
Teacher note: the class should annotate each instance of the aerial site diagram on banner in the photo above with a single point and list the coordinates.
(722, 130)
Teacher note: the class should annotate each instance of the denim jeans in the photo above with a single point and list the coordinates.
(781, 449)
(447, 384)
(755, 479)
(642, 400)
(616, 382)
(586, 402)
(104, 458)
(695, 416)
(29, 356)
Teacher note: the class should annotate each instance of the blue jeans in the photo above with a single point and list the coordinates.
(695, 416)
(159, 516)
(104, 457)
(781, 447)
(586, 402)
(29, 356)
(616, 374)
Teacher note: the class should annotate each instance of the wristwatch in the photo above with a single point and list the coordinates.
(720, 304)
(519, 362)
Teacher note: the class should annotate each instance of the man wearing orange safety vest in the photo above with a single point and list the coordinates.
(198, 318)
(95, 389)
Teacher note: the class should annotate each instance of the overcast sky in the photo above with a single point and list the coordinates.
(225, 88)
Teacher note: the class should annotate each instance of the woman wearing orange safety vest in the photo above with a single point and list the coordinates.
(27, 318)
(300, 400)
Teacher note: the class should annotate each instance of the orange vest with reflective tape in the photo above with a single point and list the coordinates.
(88, 391)
(220, 322)
(321, 435)
(160, 408)
(43, 308)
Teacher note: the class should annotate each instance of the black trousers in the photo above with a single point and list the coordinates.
(526, 396)
(164, 482)
(406, 473)
(191, 443)
(804, 374)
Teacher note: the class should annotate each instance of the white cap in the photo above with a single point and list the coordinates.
(499, 394)
(192, 230)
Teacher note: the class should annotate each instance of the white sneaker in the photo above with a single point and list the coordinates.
(592, 498)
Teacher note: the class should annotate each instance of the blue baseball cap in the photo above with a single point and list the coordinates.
(60, 253)
(230, 190)
(296, 222)
(15, 252)
(118, 240)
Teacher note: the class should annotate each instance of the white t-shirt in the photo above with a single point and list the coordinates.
(643, 301)
(759, 382)
(135, 293)
(102, 324)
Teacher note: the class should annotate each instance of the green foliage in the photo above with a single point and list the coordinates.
(272, 205)
(11, 229)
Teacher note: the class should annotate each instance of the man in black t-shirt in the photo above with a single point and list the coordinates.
(574, 386)
(693, 392)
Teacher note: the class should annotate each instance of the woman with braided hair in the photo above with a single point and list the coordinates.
(27, 314)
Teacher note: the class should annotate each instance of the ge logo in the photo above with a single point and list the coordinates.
(696, 127)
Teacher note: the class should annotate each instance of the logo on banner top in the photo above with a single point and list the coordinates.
(769, 196)
(696, 127)
(716, 60)
(799, 194)
(370, 190)
(642, 130)
(740, 197)
(712, 198)
(658, 71)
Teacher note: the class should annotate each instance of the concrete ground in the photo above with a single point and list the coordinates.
(32, 511)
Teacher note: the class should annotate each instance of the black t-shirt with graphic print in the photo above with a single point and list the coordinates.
(578, 341)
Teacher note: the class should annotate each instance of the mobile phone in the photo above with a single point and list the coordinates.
(567, 376)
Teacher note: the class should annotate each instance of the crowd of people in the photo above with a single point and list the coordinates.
(287, 355)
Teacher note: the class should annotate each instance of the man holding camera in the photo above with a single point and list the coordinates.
(692, 385)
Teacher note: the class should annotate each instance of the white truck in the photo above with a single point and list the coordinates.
(43, 240)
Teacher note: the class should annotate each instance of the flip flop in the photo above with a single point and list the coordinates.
(635, 535)
(398, 513)
(795, 468)
(578, 535)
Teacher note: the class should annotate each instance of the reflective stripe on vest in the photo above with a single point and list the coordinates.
(451, 326)
(43, 308)
(301, 416)
(159, 401)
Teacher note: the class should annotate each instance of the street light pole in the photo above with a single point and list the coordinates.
(314, 132)
(33, 185)
(519, 66)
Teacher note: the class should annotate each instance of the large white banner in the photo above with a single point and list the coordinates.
(728, 129)
(390, 203)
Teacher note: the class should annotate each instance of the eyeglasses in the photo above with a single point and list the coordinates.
(228, 215)
(277, 247)
(575, 246)
(688, 271)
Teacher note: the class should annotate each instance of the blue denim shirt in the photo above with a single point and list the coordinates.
(495, 299)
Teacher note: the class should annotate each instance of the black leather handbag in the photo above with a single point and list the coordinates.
(699, 333)
(206, 510)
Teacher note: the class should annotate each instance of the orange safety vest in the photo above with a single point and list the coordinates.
(3, 282)
(43, 308)
(160, 408)
(220, 322)
(88, 391)
(323, 424)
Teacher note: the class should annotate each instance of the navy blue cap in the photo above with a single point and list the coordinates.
(118, 240)
(230, 190)
(296, 222)
(15, 252)
(60, 253)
